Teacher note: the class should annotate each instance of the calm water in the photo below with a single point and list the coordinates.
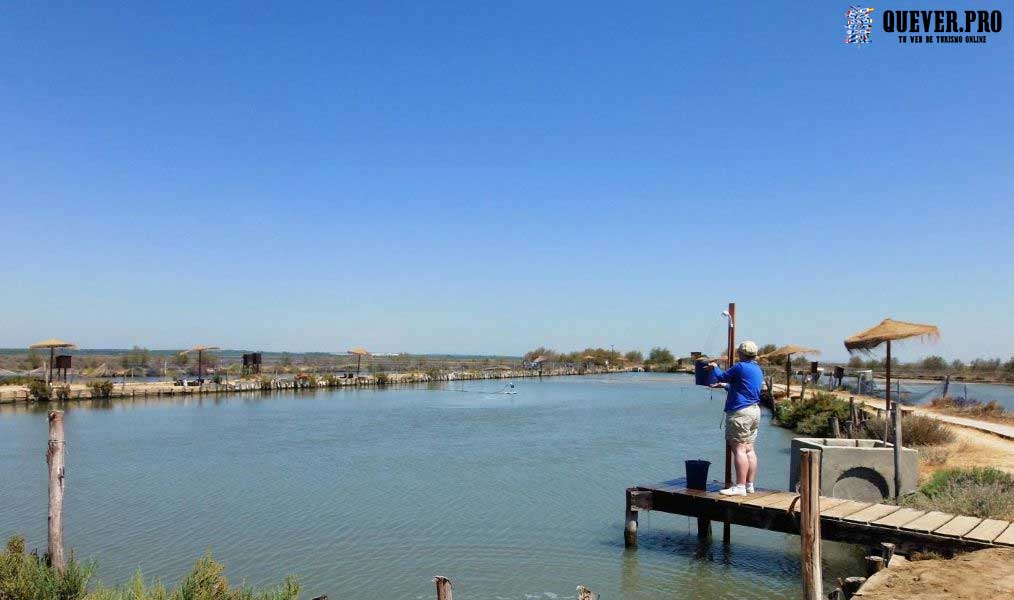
(368, 493)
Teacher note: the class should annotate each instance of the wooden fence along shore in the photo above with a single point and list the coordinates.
(159, 389)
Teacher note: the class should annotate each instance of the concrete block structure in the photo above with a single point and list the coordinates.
(856, 469)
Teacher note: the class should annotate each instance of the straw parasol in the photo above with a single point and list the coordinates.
(886, 332)
(359, 353)
(787, 352)
(52, 344)
(200, 350)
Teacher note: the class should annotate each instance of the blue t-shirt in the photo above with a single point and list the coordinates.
(745, 380)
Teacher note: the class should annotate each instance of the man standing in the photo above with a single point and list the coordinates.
(742, 414)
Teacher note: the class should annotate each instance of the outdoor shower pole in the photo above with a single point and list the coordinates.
(728, 448)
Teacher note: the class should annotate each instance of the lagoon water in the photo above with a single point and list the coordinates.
(368, 493)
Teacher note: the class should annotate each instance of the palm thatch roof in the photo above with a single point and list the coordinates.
(789, 350)
(53, 343)
(540, 359)
(359, 351)
(201, 349)
(889, 330)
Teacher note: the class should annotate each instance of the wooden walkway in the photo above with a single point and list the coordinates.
(840, 520)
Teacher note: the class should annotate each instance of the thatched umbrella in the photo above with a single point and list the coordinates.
(200, 350)
(787, 352)
(52, 344)
(888, 331)
(360, 353)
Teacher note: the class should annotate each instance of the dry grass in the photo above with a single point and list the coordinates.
(972, 409)
(916, 430)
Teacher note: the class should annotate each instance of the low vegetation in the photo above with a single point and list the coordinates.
(27, 577)
(100, 389)
(39, 390)
(916, 430)
(971, 408)
(982, 492)
(809, 416)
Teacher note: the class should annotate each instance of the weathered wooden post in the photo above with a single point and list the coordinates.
(853, 413)
(809, 524)
(874, 564)
(897, 449)
(56, 458)
(852, 585)
(630, 525)
(848, 429)
(833, 427)
(444, 591)
(887, 552)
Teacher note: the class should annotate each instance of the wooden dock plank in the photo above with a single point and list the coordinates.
(827, 503)
(754, 496)
(844, 509)
(988, 530)
(900, 518)
(784, 502)
(1007, 537)
(929, 521)
(958, 526)
(767, 500)
(872, 513)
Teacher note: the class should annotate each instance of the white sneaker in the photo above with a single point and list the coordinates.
(736, 490)
(749, 488)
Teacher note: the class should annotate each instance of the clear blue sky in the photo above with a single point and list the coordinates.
(487, 177)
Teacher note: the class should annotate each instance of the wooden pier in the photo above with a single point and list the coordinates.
(848, 521)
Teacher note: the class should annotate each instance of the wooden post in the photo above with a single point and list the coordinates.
(809, 524)
(630, 525)
(853, 413)
(852, 585)
(726, 526)
(874, 564)
(897, 450)
(56, 457)
(444, 591)
(788, 377)
(887, 552)
(887, 386)
(584, 593)
(832, 425)
(848, 429)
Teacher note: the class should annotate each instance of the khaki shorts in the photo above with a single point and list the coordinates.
(741, 426)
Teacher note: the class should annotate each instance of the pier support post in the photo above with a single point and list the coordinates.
(809, 524)
(444, 591)
(630, 524)
(56, 458)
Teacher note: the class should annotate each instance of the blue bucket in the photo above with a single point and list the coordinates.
(704, 374)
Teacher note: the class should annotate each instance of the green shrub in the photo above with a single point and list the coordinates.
(981, 492)
(39, 390)
(382, 378)
(809, 416)
(266, 383)
(101, 389)
(62, 392)
(916, 430)
(27, 577)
